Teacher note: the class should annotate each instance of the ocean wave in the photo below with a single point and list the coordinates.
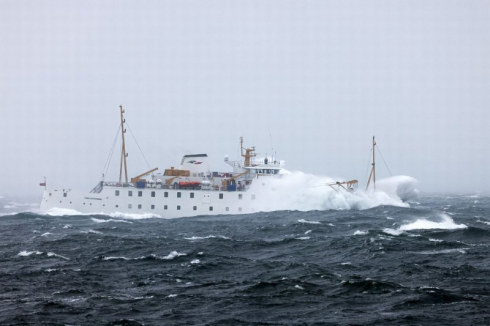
(445, 251)
(55, 211)
(25, 253)
(170, 256)
(97, 220)
(446, 223)
(359, 232)
(307, 192)
(208, 237)
(309, 222)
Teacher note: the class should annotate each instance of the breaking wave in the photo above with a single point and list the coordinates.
(55, 211)
(307, 192)
(445, 222)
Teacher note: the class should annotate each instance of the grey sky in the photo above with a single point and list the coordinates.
(314, 79)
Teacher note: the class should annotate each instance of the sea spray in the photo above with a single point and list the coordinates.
(304, 192)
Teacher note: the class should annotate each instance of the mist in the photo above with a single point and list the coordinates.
(308, 82)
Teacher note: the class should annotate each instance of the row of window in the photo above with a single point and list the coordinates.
(179, 194)
(165, 207)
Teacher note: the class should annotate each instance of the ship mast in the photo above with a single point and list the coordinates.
(373, 169)
(249, 153)
(123, 150)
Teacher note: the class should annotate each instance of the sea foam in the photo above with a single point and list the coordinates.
(446, 223)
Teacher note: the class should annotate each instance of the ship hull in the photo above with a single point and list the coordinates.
(166, 203)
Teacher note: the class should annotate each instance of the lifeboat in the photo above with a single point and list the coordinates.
(189, 184)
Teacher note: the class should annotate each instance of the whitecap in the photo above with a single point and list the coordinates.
(484, 222)
(172, 255)
(309, 231)
(25, 253)
(207, 237)
(55, 211)
(392, 231)
(195, 261)
(435, 240)
(91, 231)
(133, 216)
(52, 254)
(97, 220)
(446, 223)
(171, 295)
(46, 234)
(299, 287)
(446, 251)
(115, 258)
(303, 238)
(359, 232)
(309, 222)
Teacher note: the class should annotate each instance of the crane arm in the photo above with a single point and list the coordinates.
(135, 179)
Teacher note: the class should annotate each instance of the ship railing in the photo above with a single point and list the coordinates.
(99, 187)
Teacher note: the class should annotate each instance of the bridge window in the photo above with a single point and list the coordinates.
(179, 194)
(117, 192)
(140, 193)
(211, 208)
(130, 206)
(240, 196)
(153, 194)
(220, 196)
(152, 206)
(239, 209)
(178, 207)
(139, 206)
(130, 193)
(194, 208)
(227, 209)
(192, 195)
(165, 194)
(165, 207)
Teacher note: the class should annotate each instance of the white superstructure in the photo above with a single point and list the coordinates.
(190, 190)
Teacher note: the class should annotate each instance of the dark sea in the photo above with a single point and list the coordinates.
(424, 265)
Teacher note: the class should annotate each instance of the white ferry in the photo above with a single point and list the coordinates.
(191, 189)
